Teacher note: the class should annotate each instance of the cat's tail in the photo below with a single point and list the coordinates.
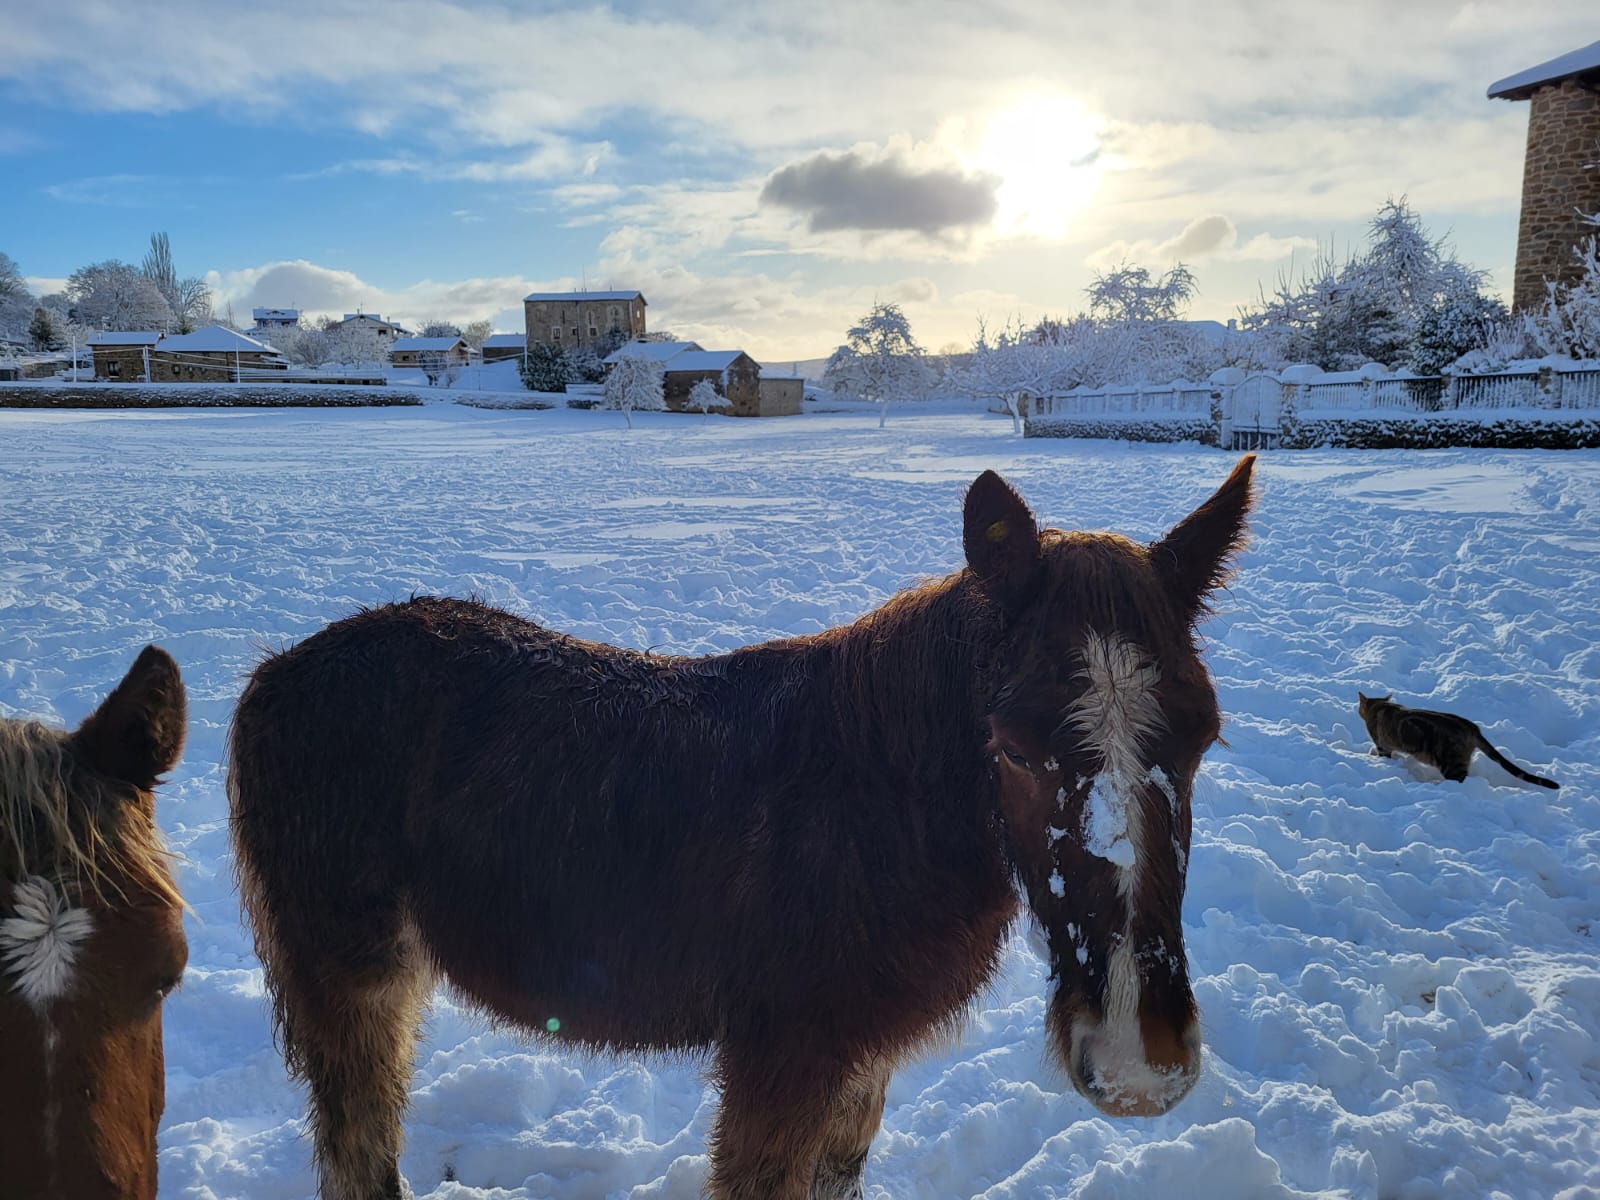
(1483, 744)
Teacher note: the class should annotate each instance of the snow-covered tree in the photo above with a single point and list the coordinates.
(544, 368)
(584, 365)
(703, 397)
(16, 302)
(433, 327)
(880, 360)
(1131, 293)
(1008, 367)
(475, 333)
(351, 346)
(115, 295)
(1405, 298)
(635, 383)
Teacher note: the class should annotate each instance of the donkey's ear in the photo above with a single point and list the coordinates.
(1001, 539)
(1196, 555)
(137, 734)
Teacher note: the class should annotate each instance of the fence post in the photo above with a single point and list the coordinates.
(1223, 381)
(1451, 398)
(1549, 385)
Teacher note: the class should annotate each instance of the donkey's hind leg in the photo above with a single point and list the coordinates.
(852, 1124)
(350, 1031)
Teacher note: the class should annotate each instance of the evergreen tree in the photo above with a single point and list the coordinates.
(43, 331)
(545, 369)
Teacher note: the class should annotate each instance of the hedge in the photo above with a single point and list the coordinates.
(199, 395)
(1439, 432)
(1127, 429)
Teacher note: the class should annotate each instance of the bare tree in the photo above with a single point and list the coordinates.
(190, 298)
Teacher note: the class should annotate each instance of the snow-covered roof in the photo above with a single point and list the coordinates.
(581, 296)
(704, 360)
(656, 351)
(128, 337)
(367, 317)
(421, 343)
(1525, 83)
(498, 341)
(275, 314)
(215, 339)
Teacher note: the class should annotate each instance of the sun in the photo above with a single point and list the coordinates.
(1046, 149)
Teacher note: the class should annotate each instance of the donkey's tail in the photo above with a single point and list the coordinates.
(1483, 744)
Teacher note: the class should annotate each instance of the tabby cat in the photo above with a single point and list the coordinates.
(1440, 739)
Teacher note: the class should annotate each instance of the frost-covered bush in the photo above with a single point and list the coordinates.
(1569, 322)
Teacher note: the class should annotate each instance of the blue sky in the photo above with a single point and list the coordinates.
(761, 173)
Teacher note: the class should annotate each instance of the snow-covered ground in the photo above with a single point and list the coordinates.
(1398, 976)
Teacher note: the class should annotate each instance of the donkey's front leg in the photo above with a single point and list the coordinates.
(777, 1101)
(852, 1124)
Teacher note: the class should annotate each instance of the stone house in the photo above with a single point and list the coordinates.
(430, 352)
(1560, 178)
(573, 320)
(210, 355)
(735, 374)
(354, 322)
(121, 356)
(501, 346)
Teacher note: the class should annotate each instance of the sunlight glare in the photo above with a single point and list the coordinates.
(1047, 152)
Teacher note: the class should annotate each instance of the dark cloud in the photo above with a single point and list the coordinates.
(854, 191)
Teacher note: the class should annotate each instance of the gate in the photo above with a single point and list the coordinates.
(1250, 417)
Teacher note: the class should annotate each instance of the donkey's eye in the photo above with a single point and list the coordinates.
(169, 985)
(1015, 758)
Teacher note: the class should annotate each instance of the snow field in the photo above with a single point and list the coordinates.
(1398, 979)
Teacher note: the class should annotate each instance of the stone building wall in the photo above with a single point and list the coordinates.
(203, 366)
(119, 364)
(582, 320)
(1560, 181)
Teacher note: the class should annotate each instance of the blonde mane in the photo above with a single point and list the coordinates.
(65, 823)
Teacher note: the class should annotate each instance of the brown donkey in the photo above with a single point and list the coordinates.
(801, 856)
(91, 941)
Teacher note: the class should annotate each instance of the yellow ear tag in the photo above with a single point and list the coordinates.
(996, 532)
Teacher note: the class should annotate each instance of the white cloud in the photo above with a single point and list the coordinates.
(1209, 237)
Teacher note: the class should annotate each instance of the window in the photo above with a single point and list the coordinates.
(593, 332)
(114, 368)
(613, 315)
(555, 333)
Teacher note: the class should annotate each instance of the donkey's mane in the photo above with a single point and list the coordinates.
(62, 821)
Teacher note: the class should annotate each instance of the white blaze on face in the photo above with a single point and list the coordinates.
(39, 946)
(1115, 715)
(40, 941)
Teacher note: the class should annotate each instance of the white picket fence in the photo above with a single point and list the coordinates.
(1249, 407)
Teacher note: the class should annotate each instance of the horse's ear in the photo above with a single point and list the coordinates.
(137, 733)
(1196, 555)
(1001, 539)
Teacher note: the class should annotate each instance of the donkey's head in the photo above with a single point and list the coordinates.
(1101, 711)
(91, 940)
